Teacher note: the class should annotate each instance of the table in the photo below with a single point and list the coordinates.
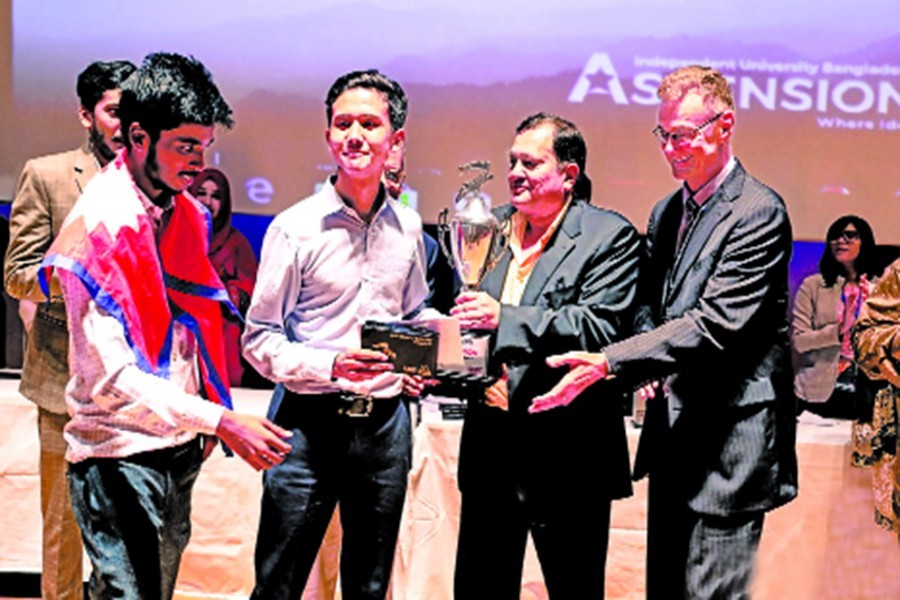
(824, 545)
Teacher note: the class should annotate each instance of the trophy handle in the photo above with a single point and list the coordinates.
(443, 229)
(499, 243)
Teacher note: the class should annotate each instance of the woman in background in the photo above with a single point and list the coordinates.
(825, 310)
(877, 341)
(233, 258)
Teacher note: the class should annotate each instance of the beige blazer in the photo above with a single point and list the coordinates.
(815, 338)
(47, 190)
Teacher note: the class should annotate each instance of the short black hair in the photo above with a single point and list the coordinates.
(169, 90)
(100, 77)
(866, 263)
(374, 80)
(568, 145)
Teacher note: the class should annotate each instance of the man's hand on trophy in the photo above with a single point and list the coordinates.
(585, 369)
(476, 310)
(359, 365)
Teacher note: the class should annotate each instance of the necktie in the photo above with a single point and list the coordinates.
(691, 208)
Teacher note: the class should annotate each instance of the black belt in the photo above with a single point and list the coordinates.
(347, 405)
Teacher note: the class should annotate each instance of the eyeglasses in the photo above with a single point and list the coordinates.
(681, 137)
(847, 236)
(395, 176)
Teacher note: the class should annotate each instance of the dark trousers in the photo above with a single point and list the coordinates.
(692, 555)
(571, 541)
(362, 463)
(135, 519)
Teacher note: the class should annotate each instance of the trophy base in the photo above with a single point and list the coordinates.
(476, 348)
(468, 380)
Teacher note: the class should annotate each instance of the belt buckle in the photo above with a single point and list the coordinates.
(358, 407)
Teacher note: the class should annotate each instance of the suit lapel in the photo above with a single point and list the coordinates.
(561, 243)
(553, 255)
(659, 270)
(495, 278)
(707, 221)
(83, 168)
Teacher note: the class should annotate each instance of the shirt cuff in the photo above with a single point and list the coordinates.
(205, 417)
(319, 365)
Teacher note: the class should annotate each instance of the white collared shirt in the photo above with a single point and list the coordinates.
(324, 272)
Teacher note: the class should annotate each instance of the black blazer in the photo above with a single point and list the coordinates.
(577, 298)
(714, 317)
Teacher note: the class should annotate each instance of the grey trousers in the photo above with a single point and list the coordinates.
(696, 556)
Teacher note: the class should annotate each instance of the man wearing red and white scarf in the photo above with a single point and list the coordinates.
(147, 359)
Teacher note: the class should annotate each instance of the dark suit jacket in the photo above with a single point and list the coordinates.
(714, 318)
(577, 298)
(47, 190)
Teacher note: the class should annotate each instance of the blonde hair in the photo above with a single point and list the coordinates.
(710, 83)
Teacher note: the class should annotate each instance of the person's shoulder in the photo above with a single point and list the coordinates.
(606, 218)
(755, 192)
(891, 272)
(813, 281)
(50, 166)
(57, 159)
(666, 201)
(303, 218)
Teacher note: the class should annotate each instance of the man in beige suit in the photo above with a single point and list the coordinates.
(47, 190)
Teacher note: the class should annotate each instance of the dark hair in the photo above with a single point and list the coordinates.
(169, 90)
(100, 77)
(373, 80)
(219, 178)
(568, 145)
(867, 261)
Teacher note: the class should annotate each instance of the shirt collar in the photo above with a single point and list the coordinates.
(152, 209)
(336, 204)
(709, 188)
(517, 232)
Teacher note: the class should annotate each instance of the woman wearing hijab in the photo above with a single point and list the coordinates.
(233, 258)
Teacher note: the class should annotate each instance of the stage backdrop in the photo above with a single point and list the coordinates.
(817, 84)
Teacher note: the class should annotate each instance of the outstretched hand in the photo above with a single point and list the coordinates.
(585, 369)
(258, 441)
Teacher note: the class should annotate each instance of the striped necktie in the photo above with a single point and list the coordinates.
(691, 208)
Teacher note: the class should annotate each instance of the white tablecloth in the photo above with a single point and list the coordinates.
(823, 545)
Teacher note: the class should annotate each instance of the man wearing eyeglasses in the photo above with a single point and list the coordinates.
(718, 442)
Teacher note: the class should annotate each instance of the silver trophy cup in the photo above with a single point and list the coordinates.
(473, 240)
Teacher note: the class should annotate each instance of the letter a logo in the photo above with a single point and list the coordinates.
(605, 80)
